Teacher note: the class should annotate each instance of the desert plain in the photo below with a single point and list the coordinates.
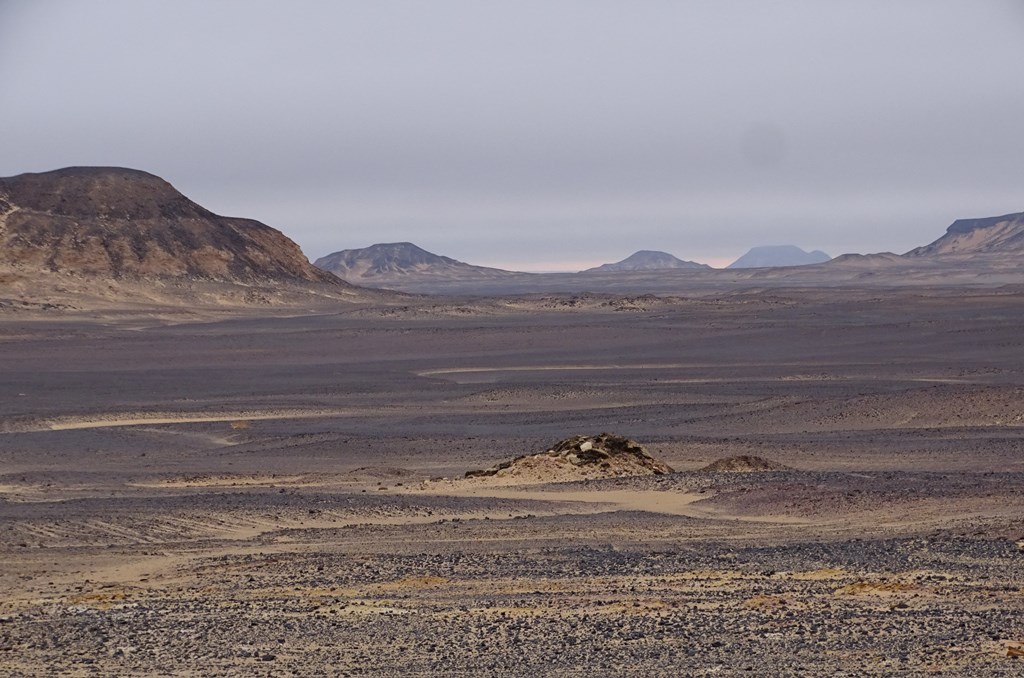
(269, 493)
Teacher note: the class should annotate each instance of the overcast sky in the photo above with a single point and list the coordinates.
(537, 135)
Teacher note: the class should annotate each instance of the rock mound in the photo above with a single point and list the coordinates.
(113, 222)
(579, 458)
(744, 464)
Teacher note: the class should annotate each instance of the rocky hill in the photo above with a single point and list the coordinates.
(647, 260)
(384, 263)
(986, 236)
(779, 255)
(118, 223)
(577, 458)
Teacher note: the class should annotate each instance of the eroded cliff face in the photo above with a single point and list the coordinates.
(123, 223)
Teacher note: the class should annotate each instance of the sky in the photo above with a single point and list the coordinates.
(537, 135)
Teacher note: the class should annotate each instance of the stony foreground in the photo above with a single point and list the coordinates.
(505, 587)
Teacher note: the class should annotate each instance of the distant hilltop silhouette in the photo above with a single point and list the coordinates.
(647, 260)
(385, 262)
(769, 256)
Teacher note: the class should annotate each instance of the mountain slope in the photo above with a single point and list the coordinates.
(778, 255)
(114, 222)
(990, 235)
(647, 260)
(401, 261)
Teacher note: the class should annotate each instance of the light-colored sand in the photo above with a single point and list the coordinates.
(65, 424)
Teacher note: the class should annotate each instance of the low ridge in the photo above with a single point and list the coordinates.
(647, 260)
(115, 222)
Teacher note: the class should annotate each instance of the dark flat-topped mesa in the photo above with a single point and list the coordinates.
(968, 225)
(116, 222)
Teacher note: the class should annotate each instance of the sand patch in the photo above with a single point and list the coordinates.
(65, 424)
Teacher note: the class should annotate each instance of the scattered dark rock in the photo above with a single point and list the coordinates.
(744, 464)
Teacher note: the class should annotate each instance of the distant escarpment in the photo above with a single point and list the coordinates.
(647, 260)
(383, 263)
(122, 223)
(986, 236)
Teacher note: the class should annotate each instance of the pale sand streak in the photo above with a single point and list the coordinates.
(186, 419)
(551, 368)
(601, 501)
(673, 366)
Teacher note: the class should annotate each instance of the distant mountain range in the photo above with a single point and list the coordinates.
(104, 230)
(779, 255)
(401, 261)
(646, 260)
(976, 245)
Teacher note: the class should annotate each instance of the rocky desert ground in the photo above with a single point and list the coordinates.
(271, 494)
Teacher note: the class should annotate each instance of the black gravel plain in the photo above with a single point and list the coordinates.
(252, 496)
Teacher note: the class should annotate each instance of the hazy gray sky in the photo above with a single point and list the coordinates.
(537, 135)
